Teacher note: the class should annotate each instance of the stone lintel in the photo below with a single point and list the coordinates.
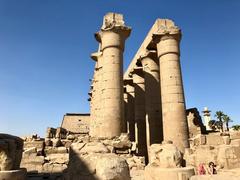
(149, 42)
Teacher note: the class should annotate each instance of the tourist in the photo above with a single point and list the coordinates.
(211, 168)
(201, 169)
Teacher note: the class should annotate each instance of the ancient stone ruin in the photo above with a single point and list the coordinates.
(138, 127)
(11, 148)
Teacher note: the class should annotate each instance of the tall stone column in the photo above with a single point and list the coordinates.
(112, 37)
(96, 115)
(129, 108)
(92, 93)
(124, 122)
(154, 130)
(175, 126)
(139, 106)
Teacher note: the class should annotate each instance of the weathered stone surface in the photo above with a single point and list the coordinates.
(202, 154)
(57, 142)
(94, 147)
(58, 158)
(82, 167)
(50, 132)
(76, 123)
(37, 144)
(157, 173)
(110, 167)
(54, 168)
(235, 142)
(48, 142)
(107, 119)
(214, 177)
(137, 175)
(136, 162)
(20, 174)
(195, 124)
(228, 157)
(11, 148)
(165, 156)
(234, 135)
(214, 139)
(55, 150)
(122, 142)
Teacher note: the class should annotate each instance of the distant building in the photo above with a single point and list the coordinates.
(206, 117)
(76, 123)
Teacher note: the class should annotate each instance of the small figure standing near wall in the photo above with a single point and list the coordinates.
(211, 168)
(201, 169)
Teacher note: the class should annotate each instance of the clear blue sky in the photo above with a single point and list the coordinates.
(45, 46)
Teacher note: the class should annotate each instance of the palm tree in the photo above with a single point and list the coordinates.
(212, 124)
(219, 115)
(236, 127)
(226, 120)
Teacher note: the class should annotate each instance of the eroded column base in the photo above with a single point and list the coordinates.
(20, 174)
(157, 173)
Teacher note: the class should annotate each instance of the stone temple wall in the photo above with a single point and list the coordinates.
(76, 123)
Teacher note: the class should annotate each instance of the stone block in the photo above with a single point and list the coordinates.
(229, 157)
(205, 154)
(235, 142)
(55, 150)
(94, 147)
(235, 135)
(214, 139)
(20, 174)
(36, 144)
(157, 173)
(54, 168)
(214, 177)
(111, 166)
(58, 158)
(11, 148)
(165, 155)
(32, 159)
(199, 140)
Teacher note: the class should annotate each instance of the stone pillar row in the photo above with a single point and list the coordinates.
(153, 94)
(159, 104)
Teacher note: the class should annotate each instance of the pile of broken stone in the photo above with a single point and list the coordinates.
(81, 156)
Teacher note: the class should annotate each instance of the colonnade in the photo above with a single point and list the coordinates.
(148, 102)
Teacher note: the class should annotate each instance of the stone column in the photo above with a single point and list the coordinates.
(124, 122)
(175, 126)
(129, 108)
(96, 118)
(112, 37)
(154, 130)
(139, 106)
(93, 104)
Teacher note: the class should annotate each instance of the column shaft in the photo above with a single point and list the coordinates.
(129, 110)
(153, 109)
(175, 126)
(139, 106)
(112, 37)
